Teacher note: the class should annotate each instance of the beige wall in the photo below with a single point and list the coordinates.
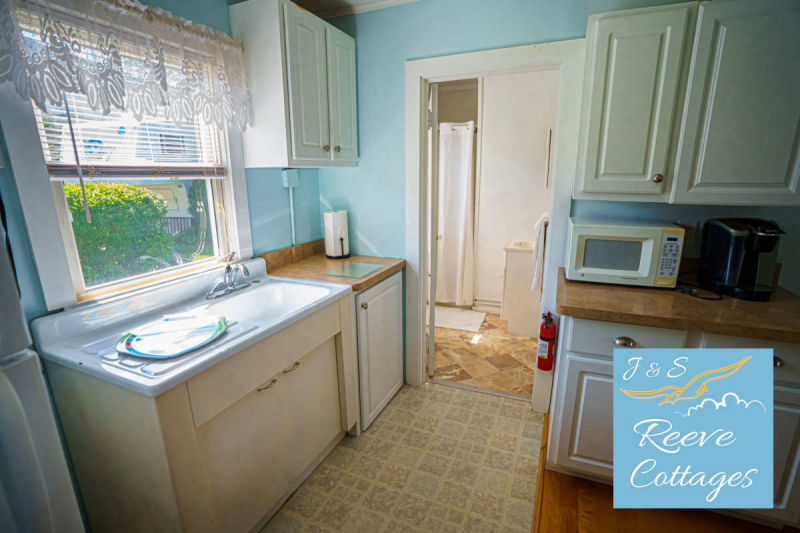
(518, 109)
(458, 101)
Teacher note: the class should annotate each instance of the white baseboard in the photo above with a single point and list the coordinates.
(485, 305)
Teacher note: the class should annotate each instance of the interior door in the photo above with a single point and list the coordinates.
(308, 85)
(741, 130)
(630, 99)
(433, 216)
(342, 95)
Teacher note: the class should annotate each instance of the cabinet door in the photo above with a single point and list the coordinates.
(786, 450)
(259, 448)
(584, 420)
(342, 96)
(308, 85)
(740, 135)
(380, 345)
(633, 69)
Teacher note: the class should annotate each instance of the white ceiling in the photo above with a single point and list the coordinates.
(335, 8)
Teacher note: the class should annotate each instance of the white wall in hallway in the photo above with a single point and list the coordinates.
(458, 101)
(518, 110)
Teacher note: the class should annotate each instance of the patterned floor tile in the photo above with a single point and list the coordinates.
(438, 459)
(490, 359)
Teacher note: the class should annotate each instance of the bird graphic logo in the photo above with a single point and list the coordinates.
(692, 390)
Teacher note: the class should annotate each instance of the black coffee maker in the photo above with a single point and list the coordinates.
(739, 256)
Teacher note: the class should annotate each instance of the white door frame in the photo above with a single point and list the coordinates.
(568, 58)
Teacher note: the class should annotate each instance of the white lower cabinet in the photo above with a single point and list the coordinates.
(380, 345)
(280, 429)
(786, 422)
(223, 450)
(584, 439)
(581, 417)
(786, 450)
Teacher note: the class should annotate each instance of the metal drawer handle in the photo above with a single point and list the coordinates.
(337, 148)
(272, 382)
(658, 178)
(625, 342)
(777, 361)
(293, 368)
(326, 148)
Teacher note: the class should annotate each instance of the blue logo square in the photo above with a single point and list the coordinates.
(693, 428)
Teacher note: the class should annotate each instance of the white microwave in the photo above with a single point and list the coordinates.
(627, 252)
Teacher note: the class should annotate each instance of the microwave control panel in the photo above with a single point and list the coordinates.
(671, 247)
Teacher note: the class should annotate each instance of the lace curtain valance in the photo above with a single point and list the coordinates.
(122, 55)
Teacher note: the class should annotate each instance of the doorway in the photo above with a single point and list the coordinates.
(490, 155)
(567, 58)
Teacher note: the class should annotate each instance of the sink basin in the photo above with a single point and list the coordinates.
(85, 338)
(267, 300)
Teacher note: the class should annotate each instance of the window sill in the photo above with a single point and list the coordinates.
(144, 282)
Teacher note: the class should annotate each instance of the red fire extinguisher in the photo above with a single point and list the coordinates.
(547, 343)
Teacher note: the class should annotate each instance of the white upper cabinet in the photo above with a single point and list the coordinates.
(740, 133)
(632, 76)
(302, 77)
(693, 103)
(308, 85)
(342, 95)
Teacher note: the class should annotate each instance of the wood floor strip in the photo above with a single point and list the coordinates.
(569, 504)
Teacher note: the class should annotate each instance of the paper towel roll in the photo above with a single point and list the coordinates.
(337, 243)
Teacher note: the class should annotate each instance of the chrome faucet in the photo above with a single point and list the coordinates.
(227, 284)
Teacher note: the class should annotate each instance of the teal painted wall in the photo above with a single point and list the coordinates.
(269, 209)
(374, 193)
(267, 199)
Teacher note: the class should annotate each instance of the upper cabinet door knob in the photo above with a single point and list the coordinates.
(658, 178)
(326, 148)
(337, 148)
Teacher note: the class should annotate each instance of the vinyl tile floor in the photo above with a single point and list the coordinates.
(437, 459)
(491, 359)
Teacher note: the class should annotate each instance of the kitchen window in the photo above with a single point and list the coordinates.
(153, 192)
(125, 143)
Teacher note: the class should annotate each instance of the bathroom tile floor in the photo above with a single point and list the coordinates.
(437, 459)
(491, 358)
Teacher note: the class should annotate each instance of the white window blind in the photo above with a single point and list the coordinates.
(118, 146)
(149, 134)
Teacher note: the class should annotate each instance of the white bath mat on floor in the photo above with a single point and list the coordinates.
(456, 318)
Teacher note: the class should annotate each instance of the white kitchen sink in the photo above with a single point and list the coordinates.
(84, 338)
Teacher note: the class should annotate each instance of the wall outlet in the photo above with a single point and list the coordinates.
(692, 231)
(290, 177)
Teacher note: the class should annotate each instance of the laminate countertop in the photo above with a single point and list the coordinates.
(777, 319)
(315, 268)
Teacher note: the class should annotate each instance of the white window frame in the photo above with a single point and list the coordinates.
(44, 208)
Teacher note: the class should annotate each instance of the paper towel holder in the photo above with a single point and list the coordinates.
(337, 242)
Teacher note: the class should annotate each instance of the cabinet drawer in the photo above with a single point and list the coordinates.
(219, 387)
(597, 338)
(789, 354)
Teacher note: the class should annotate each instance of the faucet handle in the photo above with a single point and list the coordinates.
(245, 271)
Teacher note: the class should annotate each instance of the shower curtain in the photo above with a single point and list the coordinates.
(454, 268)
